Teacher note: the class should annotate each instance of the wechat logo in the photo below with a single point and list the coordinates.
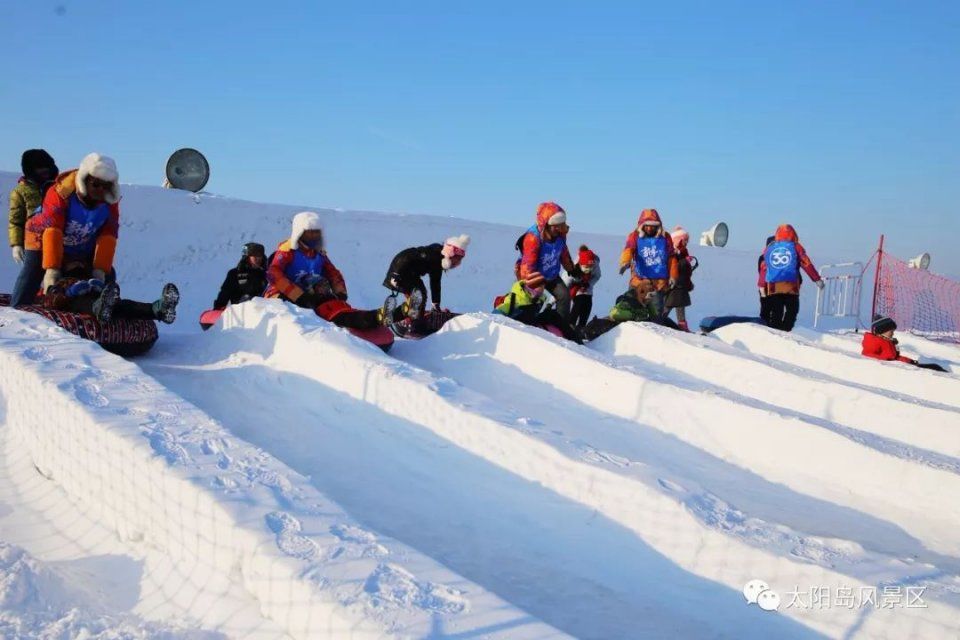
(759, 593)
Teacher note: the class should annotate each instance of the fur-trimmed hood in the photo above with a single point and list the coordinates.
(103, 168)
(304, 221)
(650, 216)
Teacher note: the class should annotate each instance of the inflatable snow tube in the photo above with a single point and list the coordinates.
(379, 336)
(711, 323)
(123, 337)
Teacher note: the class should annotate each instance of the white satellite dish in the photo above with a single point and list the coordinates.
(715, 236)
(922, 261)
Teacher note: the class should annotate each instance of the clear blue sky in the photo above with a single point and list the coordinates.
(840, 117)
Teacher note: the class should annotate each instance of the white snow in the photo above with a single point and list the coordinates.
(276, 477)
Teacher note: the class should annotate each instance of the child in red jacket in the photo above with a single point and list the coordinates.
(881, 344)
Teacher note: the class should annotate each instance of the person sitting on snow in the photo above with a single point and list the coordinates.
(881, 344)
(650, 255)
(543, 249)
(39, 170)
(581, 288)
(245, 281)
(635, 305)
(678, 297)
(524, 303)
(410, 265)
(780, 274)
(75, 291)
(301, 273)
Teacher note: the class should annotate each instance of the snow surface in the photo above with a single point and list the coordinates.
(276, 477)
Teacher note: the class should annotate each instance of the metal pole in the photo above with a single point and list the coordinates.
(876, 282)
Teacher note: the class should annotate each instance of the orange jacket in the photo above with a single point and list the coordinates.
(530, 251)
(281, 286)
(881, 348)
(629, 253)
(44, 231)
(787, 232)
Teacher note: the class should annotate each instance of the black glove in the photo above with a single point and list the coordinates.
(342, 296)
(576, 272)
(308, 300)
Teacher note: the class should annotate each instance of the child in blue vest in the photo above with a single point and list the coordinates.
(780, 274)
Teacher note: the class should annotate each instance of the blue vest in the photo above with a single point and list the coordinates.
(650, 260)
(782, 262)
(303, 271)
(548, 262)
(82, 226)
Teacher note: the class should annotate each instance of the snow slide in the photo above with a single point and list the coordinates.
(889, 377)
(451, 448)
(229, 538)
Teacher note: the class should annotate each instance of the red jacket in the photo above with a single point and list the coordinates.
(878, 347)
(787, 232)
(280, 285)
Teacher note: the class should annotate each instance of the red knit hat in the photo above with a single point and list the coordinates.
(586, 257)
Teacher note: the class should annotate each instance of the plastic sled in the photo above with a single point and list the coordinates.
(711, 323)
(123, 337)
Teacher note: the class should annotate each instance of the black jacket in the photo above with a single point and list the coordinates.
(242, 283)
(411, 264)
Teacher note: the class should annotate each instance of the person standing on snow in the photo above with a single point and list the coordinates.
(26, 199)
(678, 297)
(581, 289)
(543, 250)
(410, 265)
(782, 261)
(301, 273)
(650, 253)
(245, 281)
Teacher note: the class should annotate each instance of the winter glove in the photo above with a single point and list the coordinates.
(98, 274)
(308, 300)
(342, 295)
(624, 268)
(820, 284)
(576, 272)
(96, 284)
(50, 278)
(17, 254)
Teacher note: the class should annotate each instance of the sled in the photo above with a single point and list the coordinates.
(429, 324)
(711, 323)
(379, 336)
(122, 336)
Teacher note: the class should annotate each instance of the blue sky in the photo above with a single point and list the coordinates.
(840, 117)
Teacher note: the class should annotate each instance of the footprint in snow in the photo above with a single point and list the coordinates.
(165, 444)
(370, 548)
(89, 394)
(38, 354)
(391, 587)
(291, 542)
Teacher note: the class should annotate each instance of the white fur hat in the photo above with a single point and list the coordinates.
(460, 242)
(103, 168)
(303, 221)
(560, 217)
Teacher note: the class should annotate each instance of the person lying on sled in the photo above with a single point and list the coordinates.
(79, 291)
(880, 344)
(301, 273)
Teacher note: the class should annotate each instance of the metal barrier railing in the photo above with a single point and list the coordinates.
(840, 296)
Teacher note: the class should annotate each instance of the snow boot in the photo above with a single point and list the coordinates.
(683, 326)
(165, 309)
(104, 304)
(414, 304)
(388, 310)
